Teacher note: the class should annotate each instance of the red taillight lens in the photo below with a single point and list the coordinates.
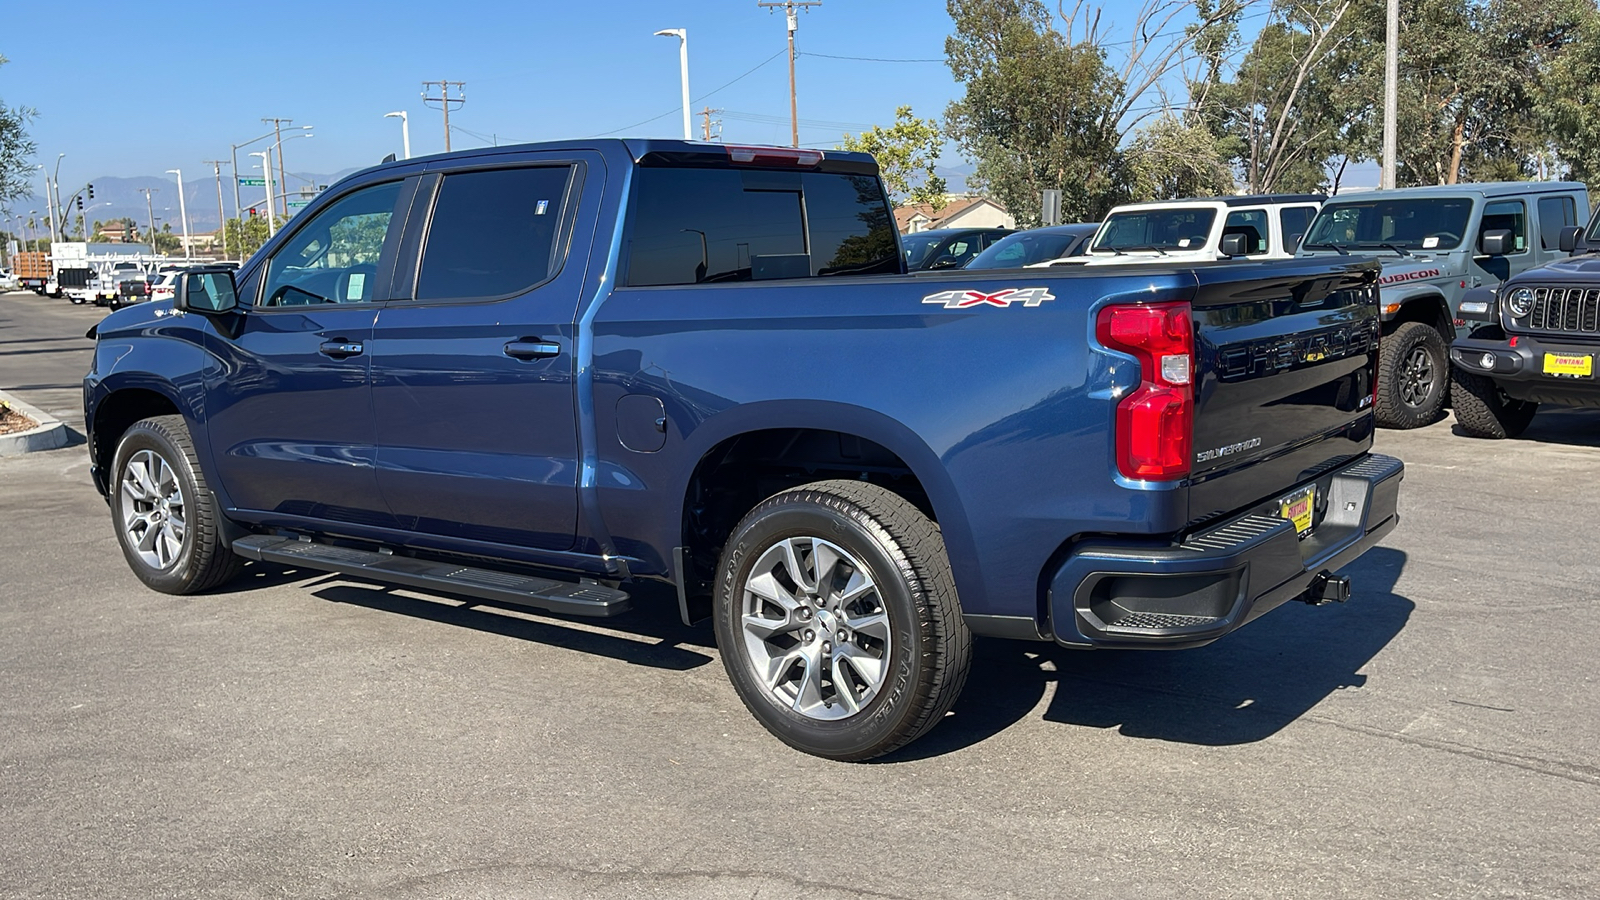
(1155, 423)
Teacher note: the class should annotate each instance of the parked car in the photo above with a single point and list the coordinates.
(1533, 341)
(1435, 244)
(165, 285)
(1255, 226)
(541, 375)
(947, 248)
(1036, 245)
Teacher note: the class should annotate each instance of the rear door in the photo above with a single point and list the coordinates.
(473, 360)
(1285, 372)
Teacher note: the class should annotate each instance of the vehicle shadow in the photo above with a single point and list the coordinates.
(1244, 688)
(1556, 425)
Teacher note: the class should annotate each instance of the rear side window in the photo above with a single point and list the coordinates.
(493, 233)
(1295, 220)
(1555, 213)
(1511, 216)
(698, 226)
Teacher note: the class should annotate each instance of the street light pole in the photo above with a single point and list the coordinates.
(59, 211)
(266, 167)
(183, 213)
(682, 34)
(238, 208)
(405, 131)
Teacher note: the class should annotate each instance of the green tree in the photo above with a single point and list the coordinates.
(16, 151)
(1569, 106)
(1037, 112)
(165, 242)
(1168, 159)
(905, 152)
(247, 234)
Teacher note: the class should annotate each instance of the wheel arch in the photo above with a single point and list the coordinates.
(118, 406)
(1425, 304)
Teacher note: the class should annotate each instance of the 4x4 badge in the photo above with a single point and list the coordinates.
(1032, 296)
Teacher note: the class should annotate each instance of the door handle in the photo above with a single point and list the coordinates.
(532, 349)
(339, 349)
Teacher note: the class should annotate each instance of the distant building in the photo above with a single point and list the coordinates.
(958, 212)
(118, 232)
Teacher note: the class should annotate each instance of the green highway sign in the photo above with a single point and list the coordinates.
(253, 182)
(296, 204)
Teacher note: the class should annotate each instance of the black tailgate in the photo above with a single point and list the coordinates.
(1286, 353)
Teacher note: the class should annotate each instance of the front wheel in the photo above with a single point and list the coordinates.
(1483, 410)
(837, 618)
(164, 513)
(1413, 372)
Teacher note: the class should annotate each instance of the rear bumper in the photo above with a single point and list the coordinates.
(1125, 593)
(1519, 370)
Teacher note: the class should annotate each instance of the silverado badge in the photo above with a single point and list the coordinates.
(1032, 296)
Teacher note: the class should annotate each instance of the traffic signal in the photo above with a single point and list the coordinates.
(252, 212)
(91, 192)
(80, 204)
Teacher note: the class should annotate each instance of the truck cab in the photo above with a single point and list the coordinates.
(1436, 243)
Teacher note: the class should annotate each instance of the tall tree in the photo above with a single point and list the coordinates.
(1168, 159)
(1569, 104)
(16, 151)
(905, 152)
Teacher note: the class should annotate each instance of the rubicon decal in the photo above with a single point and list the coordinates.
(1031, 296)
(1402, 277)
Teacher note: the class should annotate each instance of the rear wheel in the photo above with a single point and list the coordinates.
(1483, 410)
(165, 515)
(1413, 372)
(837, 618)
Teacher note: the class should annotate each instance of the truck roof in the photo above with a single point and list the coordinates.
(1481, 189)
(1231, 200)
(661, 151)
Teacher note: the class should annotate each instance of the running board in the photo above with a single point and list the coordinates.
(484, 584)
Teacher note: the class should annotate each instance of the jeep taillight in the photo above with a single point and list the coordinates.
(1155, 422)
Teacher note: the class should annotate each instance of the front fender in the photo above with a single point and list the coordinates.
(1400, 302)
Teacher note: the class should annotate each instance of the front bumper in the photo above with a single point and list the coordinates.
(1127, 593)
(1519, 369)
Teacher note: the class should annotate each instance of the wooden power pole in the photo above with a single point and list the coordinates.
(789, 7)
(444, 100)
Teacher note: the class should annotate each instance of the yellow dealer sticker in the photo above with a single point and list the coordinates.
(1570, 365)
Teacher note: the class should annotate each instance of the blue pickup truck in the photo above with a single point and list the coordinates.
(542, 375)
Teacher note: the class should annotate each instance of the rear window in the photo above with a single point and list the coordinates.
(700, 226)
(493, 232)
(1555, 213)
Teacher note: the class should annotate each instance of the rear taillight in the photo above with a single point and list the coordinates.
(774, 156)
(1155, 423)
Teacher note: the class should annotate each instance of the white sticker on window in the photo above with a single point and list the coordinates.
(1428, 243)
(358, 281)
(1183, 242)
(541, 207)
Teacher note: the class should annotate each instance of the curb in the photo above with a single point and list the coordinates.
(49, 434)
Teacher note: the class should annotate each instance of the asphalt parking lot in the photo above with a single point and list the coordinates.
(301, 735)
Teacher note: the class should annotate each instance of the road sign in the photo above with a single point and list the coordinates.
(253, 182)
(296, 204)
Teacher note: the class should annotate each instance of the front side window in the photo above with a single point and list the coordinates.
(1555, 213)
(1252, 223)
(1183, 228)
(334, 257)
(493, 233)
(702, 226)
(1507, 215)
(1430, 224)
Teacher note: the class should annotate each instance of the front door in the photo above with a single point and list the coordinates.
(473, 366)
(289, 402)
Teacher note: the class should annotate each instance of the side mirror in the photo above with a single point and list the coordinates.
(1294, 242)
(206, 291)
(1570, 236)
(1234, 245)
(1495, 243)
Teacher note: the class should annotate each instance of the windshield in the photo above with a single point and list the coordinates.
(1176, 228)
(1435, 223)
(1024, 249)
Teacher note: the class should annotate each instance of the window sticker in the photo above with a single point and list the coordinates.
(1428, 243)
(539, 209)
(358, 280)
(1183, 242)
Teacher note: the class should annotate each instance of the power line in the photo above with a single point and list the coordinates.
(751, 71)
(870, 58)
(444, 100)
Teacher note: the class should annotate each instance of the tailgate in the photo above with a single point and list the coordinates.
(1286, 353)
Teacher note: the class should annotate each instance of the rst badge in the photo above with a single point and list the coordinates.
(1032, 296)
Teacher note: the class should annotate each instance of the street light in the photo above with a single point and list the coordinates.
(682, 34)
(405, 131)
(59, 211)
(283, 189)
(237, 209)
(266, 167)
(183, 212)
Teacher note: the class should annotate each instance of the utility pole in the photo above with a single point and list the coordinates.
(1391, 95)
(277, 136)
(150, 210)
(222, 216)
(705, 122)
(793, 21)
(444, 100)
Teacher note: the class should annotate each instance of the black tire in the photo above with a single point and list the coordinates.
(924, 662)
(1483, 410)
(1413, 376)
(202, 559)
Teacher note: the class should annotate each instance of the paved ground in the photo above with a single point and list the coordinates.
(307, 736)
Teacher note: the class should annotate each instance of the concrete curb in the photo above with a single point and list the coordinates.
(49, 434)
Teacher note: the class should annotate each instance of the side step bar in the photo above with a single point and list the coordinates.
(484, 584)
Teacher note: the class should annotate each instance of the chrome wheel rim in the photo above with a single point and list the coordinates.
(1416, 377)
(154, 515)
(815, 628)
